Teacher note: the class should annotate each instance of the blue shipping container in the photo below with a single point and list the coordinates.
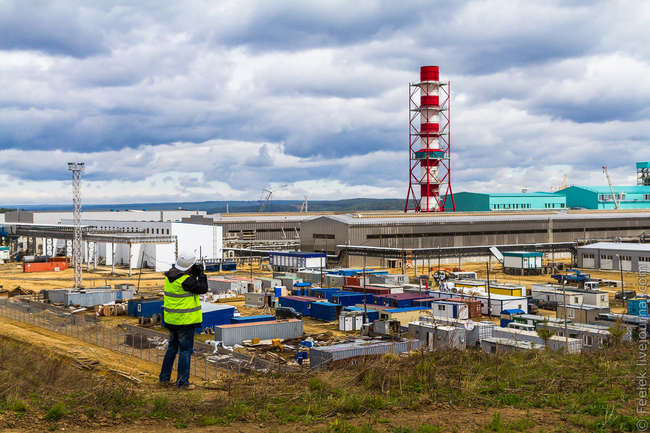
(300, 305)
(145, 307)
(325, 311)
(213, 315)
(637, 307)
(350, 298)
(253, 319)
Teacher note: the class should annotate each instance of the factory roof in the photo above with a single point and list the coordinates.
(617, 246)
(513, 194)
(445, 218)
(639, 189)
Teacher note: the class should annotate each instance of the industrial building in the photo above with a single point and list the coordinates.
(205, 241)
(475, 201)
(600, 197)
(56, 217)
(330, 233)
(631, 257)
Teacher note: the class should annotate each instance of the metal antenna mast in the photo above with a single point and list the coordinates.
(76, 168)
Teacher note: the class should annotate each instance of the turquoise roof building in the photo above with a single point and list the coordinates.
(475, 201)
(600, 197)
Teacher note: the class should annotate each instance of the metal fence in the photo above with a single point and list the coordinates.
(146, 344)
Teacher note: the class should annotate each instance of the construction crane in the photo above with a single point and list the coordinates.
(611, 188)
(266, 196)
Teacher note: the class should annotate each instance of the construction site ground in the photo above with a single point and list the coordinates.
(96, 361)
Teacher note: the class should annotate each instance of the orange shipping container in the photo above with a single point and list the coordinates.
(45, 267)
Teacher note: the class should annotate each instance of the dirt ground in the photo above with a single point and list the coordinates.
(453, 419)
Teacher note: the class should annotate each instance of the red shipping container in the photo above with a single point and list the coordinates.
(352, 281)
(45, 267)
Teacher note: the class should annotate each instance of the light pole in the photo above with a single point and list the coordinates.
(76, 168)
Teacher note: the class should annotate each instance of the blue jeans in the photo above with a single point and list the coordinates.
(179, 340)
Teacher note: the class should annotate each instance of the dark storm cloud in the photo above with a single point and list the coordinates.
(314, 94)
(54, 28)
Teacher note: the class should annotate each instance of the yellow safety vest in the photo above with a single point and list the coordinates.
(181, 307)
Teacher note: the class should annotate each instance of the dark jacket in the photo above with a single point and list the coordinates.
(196, 283)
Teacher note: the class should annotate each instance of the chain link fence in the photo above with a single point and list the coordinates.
(146, 344)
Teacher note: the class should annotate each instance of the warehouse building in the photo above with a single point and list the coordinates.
(631, 257)
(600, 197)
(475, 201)
(409, 231)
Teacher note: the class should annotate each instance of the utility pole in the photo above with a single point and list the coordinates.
(365, 307)
(76, 168)
(488, 287)
(566, 313)
(620, 266)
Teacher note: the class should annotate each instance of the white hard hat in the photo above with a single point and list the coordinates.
(185, 260)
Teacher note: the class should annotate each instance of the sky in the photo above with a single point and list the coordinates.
(218, 100)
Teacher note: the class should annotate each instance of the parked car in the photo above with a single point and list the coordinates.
(532, 309)
(287, 313)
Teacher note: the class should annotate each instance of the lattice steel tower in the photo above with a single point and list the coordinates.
(76, 168)
(430, 144)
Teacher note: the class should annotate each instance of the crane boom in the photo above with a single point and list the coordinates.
(611, 188)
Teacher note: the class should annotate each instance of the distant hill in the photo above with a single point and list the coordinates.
(349, 205)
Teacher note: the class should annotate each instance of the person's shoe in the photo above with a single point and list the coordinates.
(165, 384)
(188, 387)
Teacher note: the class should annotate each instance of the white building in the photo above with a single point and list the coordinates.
(205, 240)
(56, 217)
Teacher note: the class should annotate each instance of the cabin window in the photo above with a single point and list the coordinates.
(589, 340)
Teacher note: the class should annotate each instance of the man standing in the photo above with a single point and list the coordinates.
(184, 282)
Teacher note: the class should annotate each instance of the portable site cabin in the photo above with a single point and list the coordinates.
(534, 319)
(497, 345)
(508, 289)
(436, 336)
(498, 303)
(449, 310)
(350, 321)
(593, 337)
(403, 315)
(522, 262)
(548, 295)
(474, 331)
(580, 313)
(295, 260)
(599, 298)
(554, 342)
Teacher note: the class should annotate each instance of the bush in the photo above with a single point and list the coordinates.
(56, 412)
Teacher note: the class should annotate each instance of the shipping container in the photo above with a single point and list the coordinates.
(213, 315)
(326, 311)
(351, 298)
(295, 260)
(45, 267)
(321, 357)
(237, 333)
(144, 307)
(253, 319)
(637, 307)
(398, 300)
(302, 304)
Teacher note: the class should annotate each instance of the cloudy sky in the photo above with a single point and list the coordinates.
(216, 100)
